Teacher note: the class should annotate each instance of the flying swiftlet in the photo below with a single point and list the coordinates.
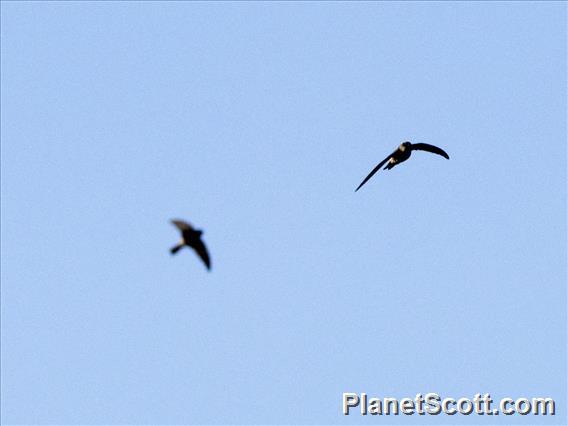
(401, 154)
(192, 238)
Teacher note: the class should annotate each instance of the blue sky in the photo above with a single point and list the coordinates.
(255, 122)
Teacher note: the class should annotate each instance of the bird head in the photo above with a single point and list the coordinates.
(405, 145)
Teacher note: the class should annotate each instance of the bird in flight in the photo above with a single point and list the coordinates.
(192, 238)
(402, 153)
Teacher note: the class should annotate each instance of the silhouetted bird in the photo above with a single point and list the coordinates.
(401, 154)
(192, 238)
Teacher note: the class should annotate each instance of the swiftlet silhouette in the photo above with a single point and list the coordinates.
(401, 154)
(192, 238)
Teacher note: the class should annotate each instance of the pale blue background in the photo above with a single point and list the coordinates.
(257, 122)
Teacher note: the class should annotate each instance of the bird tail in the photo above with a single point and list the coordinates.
(176, 248)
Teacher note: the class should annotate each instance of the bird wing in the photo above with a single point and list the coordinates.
(202, 252)
(181, 225)
(375, 170)
(430, 148)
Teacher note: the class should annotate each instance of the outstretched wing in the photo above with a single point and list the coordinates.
(430, 148)
(202, 252)
(375, 170)
(181, 225)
